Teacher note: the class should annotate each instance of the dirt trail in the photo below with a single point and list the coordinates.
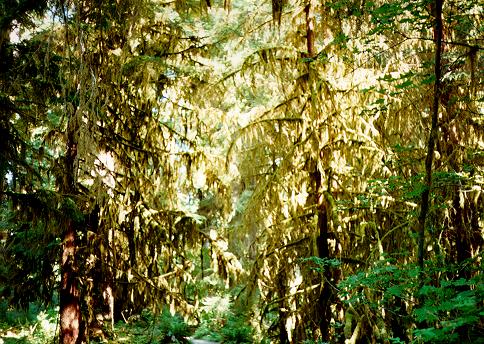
(201, 341)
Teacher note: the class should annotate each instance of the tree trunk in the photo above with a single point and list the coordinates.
(309, 29)
(69, 305)
(70, 313)
(281, 289)
(424, 203)
(324, 300)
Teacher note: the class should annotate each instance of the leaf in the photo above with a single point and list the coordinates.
(429, 80)
(426, 314)
(379, 101)
(405, 84)
(340, 39)
(427, 334)
(396, 290)
(366, 90)
(427, 290)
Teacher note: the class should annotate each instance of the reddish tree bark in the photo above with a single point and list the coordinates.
(70, 313)
(69, 303)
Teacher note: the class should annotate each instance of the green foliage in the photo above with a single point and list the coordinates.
(219, 322)
(135, 83)
(321, 264)
(214, 312)
(150, 328)
(410, 189)
(454, 308)
(235, 331)
(33, 325)
(173, 328)
(71, 210)
(28, 261)
(448, 310)
(389, 15)
(312, 341)
(207, 331)
(20, 11)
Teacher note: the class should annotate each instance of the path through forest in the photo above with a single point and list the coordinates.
(201, 341)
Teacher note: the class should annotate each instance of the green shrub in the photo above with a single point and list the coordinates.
(206, 330)
(221, 323)
(148, 328)
(173, 328)
(214, 312)
(235, 331)
(33, 325)
(448, 308)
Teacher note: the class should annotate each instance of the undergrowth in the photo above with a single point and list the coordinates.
(33, 325)
(150, 328)
(221, 323)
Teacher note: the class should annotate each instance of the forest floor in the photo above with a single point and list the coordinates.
(39, 326)
(201, 341)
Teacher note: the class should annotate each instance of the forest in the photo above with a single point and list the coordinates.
(241, 171)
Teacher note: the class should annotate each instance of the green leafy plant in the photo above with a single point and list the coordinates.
(236, 330)
(207, 331)
(452, 311)
(173, 328)
(34, 325)
(448, 310)
(321, 264)
(219, 322)
(150, 328)
(214, 312)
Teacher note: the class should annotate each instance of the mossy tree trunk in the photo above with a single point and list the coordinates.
(425, 200)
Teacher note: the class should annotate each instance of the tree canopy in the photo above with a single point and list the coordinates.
(317, 165)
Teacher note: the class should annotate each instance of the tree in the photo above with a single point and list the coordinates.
(372, 169)
(271, 138)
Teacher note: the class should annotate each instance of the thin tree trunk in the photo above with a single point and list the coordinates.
(424, 203)
(277, 7)
(281, 288)
(309, 28)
